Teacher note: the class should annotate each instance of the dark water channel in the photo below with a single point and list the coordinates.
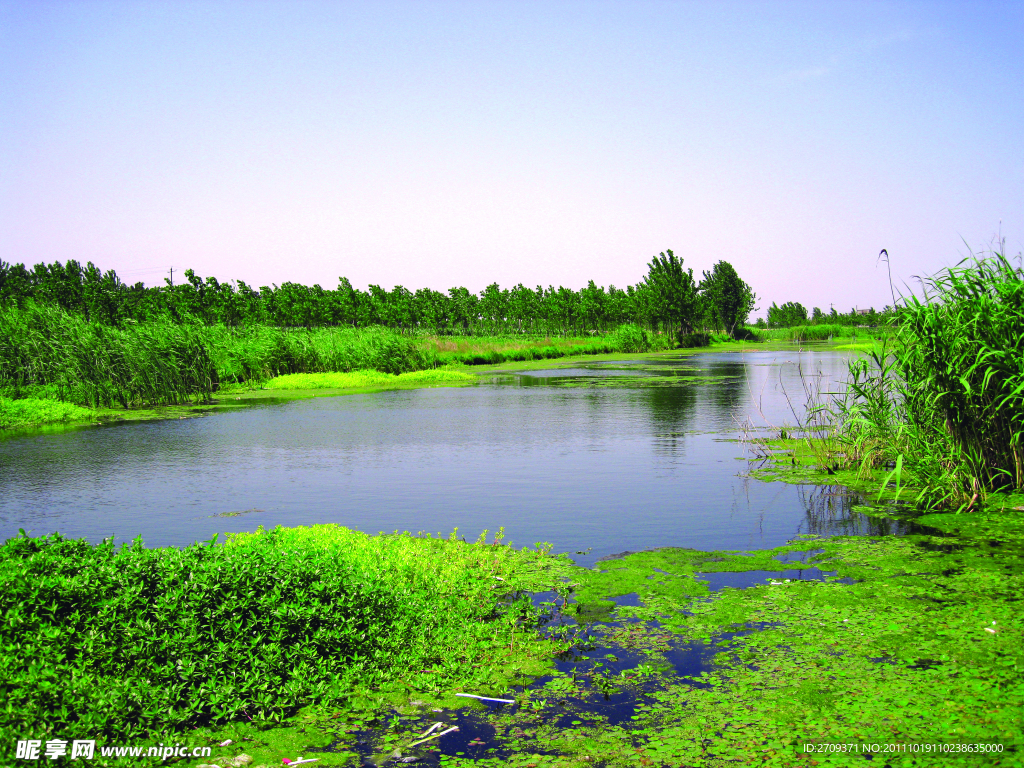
(599, 458)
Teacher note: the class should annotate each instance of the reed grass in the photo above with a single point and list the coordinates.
(941, 404)
(44, 349)
(821, 332)
(491, 351)
(495, 350)
(87, 363)
(259, 353)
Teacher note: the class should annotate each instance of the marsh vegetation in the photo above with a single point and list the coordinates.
(325, 641)
(937, 407)
(129, 642)
(80, 336)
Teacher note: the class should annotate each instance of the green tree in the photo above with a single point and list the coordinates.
(788, 315)
(673, 293)
(729, 300)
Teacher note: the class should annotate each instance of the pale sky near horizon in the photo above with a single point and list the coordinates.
(434, 144)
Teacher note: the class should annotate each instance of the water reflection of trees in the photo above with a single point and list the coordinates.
(830, 512)
(728, 395)
(671, 410)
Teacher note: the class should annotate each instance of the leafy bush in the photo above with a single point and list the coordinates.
(630, 338)
(745, 334)
(691, 340)
(125, 642)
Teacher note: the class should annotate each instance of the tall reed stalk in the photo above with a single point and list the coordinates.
(42, 346)
(258, 353)
(944, 401)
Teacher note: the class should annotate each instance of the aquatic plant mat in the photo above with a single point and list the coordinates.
(331, 645)
(686, 658)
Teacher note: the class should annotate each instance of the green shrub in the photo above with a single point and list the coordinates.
(630, 338)
(124, 642)
(691, 340)
(745, 334)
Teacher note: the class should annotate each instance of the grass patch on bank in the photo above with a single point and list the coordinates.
(372, 380)
(31, 411)
(132, 644)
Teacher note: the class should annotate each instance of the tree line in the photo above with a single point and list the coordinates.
(669, 299)
(793, 313)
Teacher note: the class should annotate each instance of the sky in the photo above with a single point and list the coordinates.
(436, 144)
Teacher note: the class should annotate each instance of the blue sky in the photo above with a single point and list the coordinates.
(439, 144)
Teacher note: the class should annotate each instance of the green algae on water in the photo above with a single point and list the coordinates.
(901, 640)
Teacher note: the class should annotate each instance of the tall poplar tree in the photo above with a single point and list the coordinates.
(673, 293)
(728, 299)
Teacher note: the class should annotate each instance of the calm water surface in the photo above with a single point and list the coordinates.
(582, 458)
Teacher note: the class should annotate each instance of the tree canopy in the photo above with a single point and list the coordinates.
(728, 300)
(667, 299)
(673, 293)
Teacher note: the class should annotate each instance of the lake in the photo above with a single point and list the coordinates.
(598, 458)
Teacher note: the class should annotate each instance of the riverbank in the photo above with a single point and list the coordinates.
(256, 628)
(46, 415)
(905, 648)
(29, 415)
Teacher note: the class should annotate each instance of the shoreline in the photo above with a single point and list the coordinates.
(237, 396)
(871, 650)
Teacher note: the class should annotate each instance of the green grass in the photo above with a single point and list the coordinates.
(857, 346)
(130, 643)
(31, 411)
(371, 380)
